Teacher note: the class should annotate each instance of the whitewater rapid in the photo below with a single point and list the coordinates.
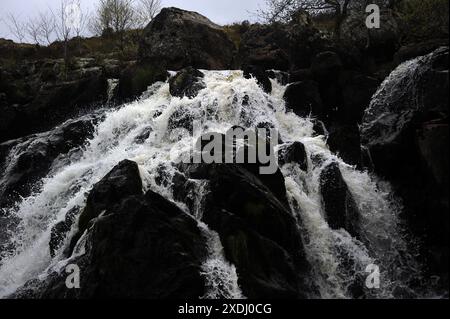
(139, 131)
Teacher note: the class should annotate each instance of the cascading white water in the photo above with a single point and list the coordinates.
(140, 132)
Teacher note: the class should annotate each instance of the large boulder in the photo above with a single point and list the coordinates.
(294, 153)
(31, 158)
(177, 38)
(123, 180)
(406, 131)
(304, 98)
(417, 49)
(357, 91)
(258, 233)
(141, 247)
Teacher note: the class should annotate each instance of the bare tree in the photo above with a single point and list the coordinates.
(146, 10)
(282, 10)
(33, 29)
(101, 21)
(115, 16)
(47, 26)
(17, 28)
(82, 19)
(63, 24)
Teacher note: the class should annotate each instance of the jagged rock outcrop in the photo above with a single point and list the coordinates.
(123, 181)
(304, 98)
(258, 232)
(186, 82)
(31, 158)
(294, 153)
(262, 46)
(406, 131)
(42, 94)
(281, 46)
(260, 75)
(336, 94)
(177, 38)
(142, 246)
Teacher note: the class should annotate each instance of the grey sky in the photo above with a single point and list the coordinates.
(222, 12)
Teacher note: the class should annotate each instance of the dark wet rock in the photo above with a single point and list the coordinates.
(357, 91)
(300, 75)
(366, 159)
(380, 43)
(123, 180)
(304, 98)
(274, 182)
(183, 118)
(405, 129)
(262, 46)
(60, 230)
(415, 93)
(281, 46)
(145, 134)
(280, 76)
(177, 38)
(36, 103)
(145, 247)
(33, 156)
(187, 82)
(414, 50)
(258, 233)
(330, 90)
(319, 128)
(345, 140)
(260, 75)
(339, 205)
(137, 77)
(326, 66)
(294, 153)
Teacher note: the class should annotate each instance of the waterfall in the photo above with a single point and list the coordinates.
(141, 131)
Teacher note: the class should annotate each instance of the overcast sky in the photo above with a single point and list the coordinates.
(222, 12)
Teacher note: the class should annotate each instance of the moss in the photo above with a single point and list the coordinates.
(137, 78)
